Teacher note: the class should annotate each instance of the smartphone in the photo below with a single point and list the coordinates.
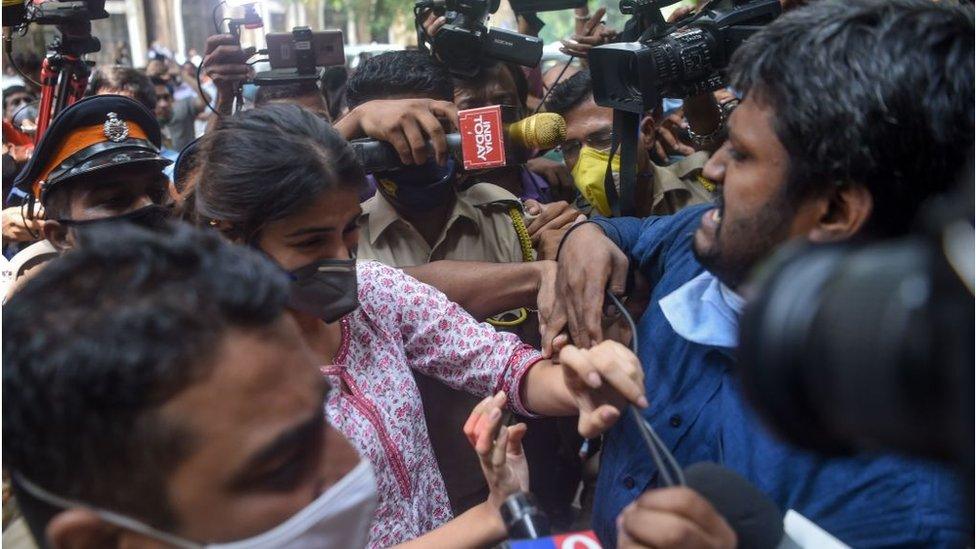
(325, 45)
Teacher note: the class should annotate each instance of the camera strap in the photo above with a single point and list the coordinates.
(625, 129)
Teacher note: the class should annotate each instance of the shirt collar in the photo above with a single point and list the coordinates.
(704, 311)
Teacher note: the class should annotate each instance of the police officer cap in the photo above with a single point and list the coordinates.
(102, 132)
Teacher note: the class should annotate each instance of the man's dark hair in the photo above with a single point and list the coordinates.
(116, 77)
(156, 81)
(399, 74)
(518, 76)
(100, 339)
(877, 93)
(280, 92)
(10, 90)
(570, 93)
(265, 164)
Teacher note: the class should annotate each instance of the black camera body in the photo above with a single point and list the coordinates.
(680, 60)
(72, 18)
(465, 43)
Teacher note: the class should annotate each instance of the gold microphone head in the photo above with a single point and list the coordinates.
(544, 130)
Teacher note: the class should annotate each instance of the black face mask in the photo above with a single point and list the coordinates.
(419, 188)
(153, 216)
(326, 289)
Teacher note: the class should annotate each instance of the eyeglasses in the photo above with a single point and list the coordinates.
(601, 141)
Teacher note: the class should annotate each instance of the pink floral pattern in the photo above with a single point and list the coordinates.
(403, 324)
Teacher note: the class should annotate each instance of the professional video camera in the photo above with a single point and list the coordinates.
(869, 347)
(676, 60)
(64, 73)
(464, 43)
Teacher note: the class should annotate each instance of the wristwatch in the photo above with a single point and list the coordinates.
(709, 140)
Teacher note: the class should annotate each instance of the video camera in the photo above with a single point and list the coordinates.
(465, 43)
(865, 347)
(72, 19)
(676, 60)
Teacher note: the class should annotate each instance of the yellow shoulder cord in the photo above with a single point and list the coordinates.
(522, 314)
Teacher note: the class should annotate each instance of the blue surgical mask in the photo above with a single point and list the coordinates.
(419, 188)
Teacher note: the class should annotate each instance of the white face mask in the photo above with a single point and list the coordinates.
(340, 517)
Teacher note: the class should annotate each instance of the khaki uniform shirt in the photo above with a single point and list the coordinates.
(479, 228)
(675, 186)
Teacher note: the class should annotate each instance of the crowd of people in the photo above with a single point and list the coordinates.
(222, 331)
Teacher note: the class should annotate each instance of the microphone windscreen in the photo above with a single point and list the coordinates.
(757, 521)
(544, 130)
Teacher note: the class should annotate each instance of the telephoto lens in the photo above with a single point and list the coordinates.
(850, 348)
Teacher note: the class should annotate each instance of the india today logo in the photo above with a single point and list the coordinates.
(482, 138)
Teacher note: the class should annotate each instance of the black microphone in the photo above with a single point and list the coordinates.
(523, 517)
(757, 521)
(539, 131)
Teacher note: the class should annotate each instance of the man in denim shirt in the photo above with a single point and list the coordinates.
(853, 113)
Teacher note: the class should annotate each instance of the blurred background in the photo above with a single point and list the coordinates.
(139, 30)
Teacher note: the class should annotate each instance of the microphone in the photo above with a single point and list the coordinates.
(528, 527)
(483, 141)
(757, 521)
(523, 518)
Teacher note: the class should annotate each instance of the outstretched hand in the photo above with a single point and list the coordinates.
(603, 380)
(499, 449)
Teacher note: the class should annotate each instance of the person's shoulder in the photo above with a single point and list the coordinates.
(489, 197)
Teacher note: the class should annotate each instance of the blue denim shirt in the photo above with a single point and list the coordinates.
(696, 408)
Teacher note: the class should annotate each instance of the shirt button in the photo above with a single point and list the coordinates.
(675, 421)
(629, 483)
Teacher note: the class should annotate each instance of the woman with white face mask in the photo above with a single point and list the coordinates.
(281, 180)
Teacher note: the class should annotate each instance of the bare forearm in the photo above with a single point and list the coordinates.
(544, 391)
(480, 526)
(484, 289)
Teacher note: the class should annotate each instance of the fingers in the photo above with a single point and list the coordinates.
(597, 422)
(578, 361)
(679, 13)
(673, 143)
(435, 133)
(532, 207)
(619, 267)
(446, 110)
(433, 24)
(399, 140)
(515, 435)
(416, 141)
(559, 343)
(595, 20)
(608, 364)
(675, 517)
(482, 426)
(216, 40)
(469, 425)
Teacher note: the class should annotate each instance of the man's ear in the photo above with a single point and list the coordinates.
(843, 213)
(57, 235)
(647, 132)
(80, 529)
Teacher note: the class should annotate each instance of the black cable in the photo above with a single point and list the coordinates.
(205, 97)
(668, 467)
(556, 81)
(214, 16)
(7, 49)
